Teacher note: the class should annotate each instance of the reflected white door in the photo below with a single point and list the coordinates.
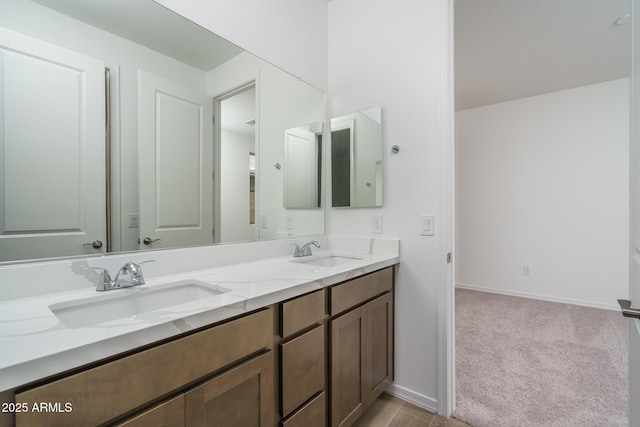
(52, 150)
(176, 164)
(634, 272)
(300, 169)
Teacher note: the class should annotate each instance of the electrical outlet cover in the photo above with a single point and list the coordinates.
(376, 224)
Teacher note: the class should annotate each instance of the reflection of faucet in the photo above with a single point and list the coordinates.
(130, 269)
(305, 250)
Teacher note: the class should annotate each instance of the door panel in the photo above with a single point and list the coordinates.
(634, 173)
(52, 150)
(301, 169)
(241, 396)
(176, 164)
(347, 382)
(379, 315)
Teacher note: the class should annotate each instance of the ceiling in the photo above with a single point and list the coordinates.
(162, 30)
(510, 49)
(504, 49)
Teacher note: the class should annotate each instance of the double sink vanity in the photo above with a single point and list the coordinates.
(245, 335)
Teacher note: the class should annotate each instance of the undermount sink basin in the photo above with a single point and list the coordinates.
(329, 261)
(130, 302)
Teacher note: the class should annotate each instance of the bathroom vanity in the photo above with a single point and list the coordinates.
(294, 342)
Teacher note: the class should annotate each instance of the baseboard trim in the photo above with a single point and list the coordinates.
(412, 397)
(539, 296)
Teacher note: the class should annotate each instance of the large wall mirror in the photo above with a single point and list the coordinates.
(356, 159)
(124, 126)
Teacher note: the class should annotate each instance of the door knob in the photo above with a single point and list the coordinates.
(96, 244)
(627, 311)
(149, 240)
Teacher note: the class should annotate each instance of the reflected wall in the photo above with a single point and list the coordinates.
(283, 101)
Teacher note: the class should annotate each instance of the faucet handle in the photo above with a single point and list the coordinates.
(104, 279)
(134, 271)
(299, 251)
(305, 250)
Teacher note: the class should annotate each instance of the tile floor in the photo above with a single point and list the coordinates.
(390, 411)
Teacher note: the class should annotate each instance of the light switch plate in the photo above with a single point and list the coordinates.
(426, 225)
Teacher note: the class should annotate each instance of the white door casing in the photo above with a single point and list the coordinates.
(52, 150)
(634, 246)
(175, 162)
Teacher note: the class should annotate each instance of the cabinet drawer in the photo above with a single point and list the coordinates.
(302, 312)
(303, 369)
(351, 293)
(100, 394)
(313, 414)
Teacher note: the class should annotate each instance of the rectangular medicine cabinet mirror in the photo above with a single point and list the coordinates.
(356, 159)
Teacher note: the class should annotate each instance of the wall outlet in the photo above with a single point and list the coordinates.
(263, 221)
(376, 224)
(289, 222)
(526, 270)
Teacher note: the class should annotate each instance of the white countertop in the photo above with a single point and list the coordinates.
(36, 344)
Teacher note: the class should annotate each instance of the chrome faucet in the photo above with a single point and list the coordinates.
(131, 271)
(305, 250)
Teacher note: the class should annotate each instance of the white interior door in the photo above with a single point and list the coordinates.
(301, 169)
(634, 272)
(176, 164)
(52, 150)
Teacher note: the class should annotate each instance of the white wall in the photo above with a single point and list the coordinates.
(543, 182)
(290, 34)
(389, 53)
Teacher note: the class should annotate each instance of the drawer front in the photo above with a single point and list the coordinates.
(302, 312)
(360, 289)
(100, 394)
(313, 414)
(303, 369)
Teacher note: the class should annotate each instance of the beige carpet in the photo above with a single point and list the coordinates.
(524, 362)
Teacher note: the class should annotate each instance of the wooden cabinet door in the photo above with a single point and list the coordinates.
(361, 358)
(167, 414)
(378, 360)
(303, 369)
(241, 396)
(347, 349)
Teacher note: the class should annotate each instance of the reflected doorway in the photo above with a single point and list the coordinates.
(236, 149)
